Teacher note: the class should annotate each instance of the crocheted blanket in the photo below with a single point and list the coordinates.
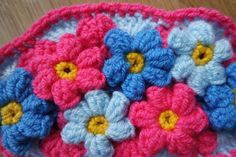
(122, 80)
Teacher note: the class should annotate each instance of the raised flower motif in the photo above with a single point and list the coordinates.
(137, 62)
(24, 117)
(168, 119)
(200, 54)
(220, 101)
(65, 70)
(97, 120)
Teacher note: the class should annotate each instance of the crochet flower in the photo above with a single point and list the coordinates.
(220, 102)
(53, 146)
(137, 62)
(168, 119)
(24, 117)
(200, 54)
(97, 120)
(65, 70)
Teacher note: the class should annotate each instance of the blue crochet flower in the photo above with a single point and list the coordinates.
(220, 101)
(137, 62)
(24, 117)
(97, 120)
(199, 53)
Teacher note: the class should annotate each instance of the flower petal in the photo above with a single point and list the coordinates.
(133, 86)
(65, 94)
(146, 40)
(181, 144)
(195, 122)
(117, 107)
(90, 79)
(231, 75)
(93, 29)
(97, 101)
(215, 73)
(43, 83)
(152, 141)
(183, 67)
(31, 59)
(90, 58)
(115, 69)
(202, 31)
(78, 114)
(15, 142)
(182, 42)
(223, 118)
(74, 133)
(198, 81)
(160, 58)
(220, 96)
(223, 50)
(99, 146)
(120, 130)
(118, 42)
(156, 76)
(36, 105)
(160, 98)
(142, 114)
(69, 47)
(35, 125)
(17, 86)
(183, 99)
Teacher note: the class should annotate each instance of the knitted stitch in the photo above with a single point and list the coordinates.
(96, 136)
(200, 65)
(128, 53)
(36, 119)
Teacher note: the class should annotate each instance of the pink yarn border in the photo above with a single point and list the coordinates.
(22, 42)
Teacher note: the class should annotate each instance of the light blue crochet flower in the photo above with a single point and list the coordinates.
(199, 53)
(220, 102)
(97, 120)
(24, 117)
(137, 62)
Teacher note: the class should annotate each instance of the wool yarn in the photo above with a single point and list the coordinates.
(120, 80)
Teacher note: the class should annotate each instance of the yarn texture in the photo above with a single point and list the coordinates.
(24, 117)
(96, 120)
(137, 62)
(120, 80)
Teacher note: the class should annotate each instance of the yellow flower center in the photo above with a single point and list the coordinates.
(66, 70)
(11, 113)
(136, 61)
(202, 54)
(168, 120)
(97, 125)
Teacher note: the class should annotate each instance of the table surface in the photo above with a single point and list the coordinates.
(18, 15)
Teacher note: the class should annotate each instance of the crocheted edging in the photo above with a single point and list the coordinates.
(25, 41)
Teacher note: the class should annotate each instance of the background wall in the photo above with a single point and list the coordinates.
(18, 15)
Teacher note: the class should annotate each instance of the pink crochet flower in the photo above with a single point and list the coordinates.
(169, 118)
(53, 146)
(65, 70)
